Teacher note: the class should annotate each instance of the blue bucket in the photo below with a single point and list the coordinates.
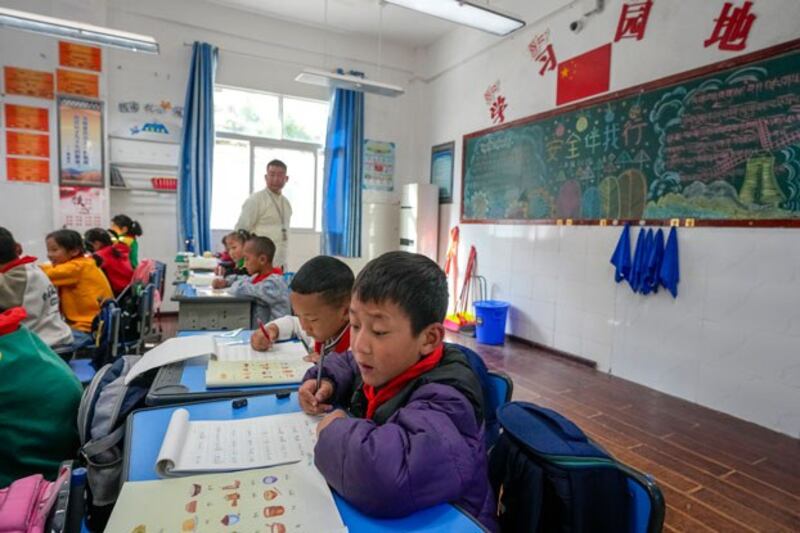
(490, 316)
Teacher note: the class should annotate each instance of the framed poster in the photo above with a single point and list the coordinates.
(80, 142)
(378, 164)
(442, 170)
(82, 208)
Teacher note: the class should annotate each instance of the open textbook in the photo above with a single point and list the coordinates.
(224, 445)
(223, 347)
(248, 373)
(275, 500)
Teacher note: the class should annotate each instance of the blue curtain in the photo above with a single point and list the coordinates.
(197, 151)
(341, 208)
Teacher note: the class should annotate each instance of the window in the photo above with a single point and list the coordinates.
(253, 128)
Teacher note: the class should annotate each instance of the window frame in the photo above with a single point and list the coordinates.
(285, 144)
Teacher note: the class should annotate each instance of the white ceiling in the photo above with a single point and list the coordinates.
(399, 25)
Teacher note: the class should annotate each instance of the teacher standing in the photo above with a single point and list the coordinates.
(267, 213)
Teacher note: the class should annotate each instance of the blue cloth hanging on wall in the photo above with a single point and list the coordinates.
(655, 255)
(638, 261)
(621, 259)
(341, 208)
(197, 151)
(669, 273)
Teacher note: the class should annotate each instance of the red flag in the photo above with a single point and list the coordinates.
(584, 75)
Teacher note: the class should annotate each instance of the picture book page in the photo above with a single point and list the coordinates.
(250, 373)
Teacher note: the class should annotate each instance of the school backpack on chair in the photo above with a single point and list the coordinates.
(105, 405)
(548, 476)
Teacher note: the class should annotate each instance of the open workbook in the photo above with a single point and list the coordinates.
(276, 500)
(192, 447)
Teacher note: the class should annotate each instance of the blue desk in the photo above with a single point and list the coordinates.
(185, 381)
(207, 310)
(146, 429)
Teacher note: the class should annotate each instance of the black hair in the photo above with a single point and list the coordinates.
(411, 281)
(8, 246)
(97, 234)
(327, 276)
(277, 163)
(68, 239)
(263, 246)
(241, 235)
(124, 221)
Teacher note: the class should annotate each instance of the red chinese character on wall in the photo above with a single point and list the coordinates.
(497, 111)
(732, 28)
(548, 60)
(633, 20)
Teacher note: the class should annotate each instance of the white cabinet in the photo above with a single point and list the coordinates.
(419, 219)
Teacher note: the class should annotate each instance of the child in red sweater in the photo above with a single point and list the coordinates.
(112, 258)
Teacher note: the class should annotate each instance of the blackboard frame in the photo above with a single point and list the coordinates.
(666, 81)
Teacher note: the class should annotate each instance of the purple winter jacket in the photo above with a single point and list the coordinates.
(430, 451)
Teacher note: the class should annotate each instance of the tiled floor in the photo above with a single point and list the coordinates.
(717, 473)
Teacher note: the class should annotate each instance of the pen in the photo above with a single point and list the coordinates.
(263, 329)
(319, 369)
(305, 344)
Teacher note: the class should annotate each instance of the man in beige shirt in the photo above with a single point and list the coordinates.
(268, 213)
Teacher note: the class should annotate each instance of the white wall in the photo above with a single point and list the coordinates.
(731, 339)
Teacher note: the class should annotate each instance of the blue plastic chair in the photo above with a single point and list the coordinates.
(497, 390)
(647, 502)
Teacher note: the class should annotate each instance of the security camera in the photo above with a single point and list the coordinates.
(576, 26)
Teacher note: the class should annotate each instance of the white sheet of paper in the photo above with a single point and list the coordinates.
(223, 445)
(289, 498)
(171, 351)
(198, 279)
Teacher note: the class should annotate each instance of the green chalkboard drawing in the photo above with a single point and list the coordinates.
(720, 145)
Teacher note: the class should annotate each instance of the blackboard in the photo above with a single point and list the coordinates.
(719, 145)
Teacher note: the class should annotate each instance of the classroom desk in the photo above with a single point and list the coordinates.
(146, 429)
(203, 308)
(185, 381)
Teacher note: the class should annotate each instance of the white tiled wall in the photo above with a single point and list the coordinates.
(731, 340)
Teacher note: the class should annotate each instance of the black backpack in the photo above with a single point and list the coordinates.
(548, 476)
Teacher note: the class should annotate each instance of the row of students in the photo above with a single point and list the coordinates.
(404, 414)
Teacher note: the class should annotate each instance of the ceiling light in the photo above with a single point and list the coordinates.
(474, 14)
(324, 78)
(76, 31)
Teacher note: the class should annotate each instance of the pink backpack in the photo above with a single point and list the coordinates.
(27, 502)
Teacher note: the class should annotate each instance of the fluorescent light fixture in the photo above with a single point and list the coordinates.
(324, 78)
(474, 14)
(76, 31)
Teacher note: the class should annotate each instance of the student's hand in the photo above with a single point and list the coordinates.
(312, 401)
(330, 417)
(262, 343)
(218, 283)
(312, 357)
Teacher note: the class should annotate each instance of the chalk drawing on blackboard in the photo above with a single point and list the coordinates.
(720, 146)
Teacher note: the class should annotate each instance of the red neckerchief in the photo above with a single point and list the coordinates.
(10, 320)
(24, 260)
(338, 344)
(261, 277)
(376, 398)
(278, 271)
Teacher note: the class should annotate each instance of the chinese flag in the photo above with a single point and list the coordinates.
(584, 75)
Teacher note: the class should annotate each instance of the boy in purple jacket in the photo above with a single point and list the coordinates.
(413, 433)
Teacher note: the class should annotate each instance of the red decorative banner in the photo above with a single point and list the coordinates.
(34, 170)
(27, 118)
(80, 56)
(584, 75)
(78, 83)
(27, 82)
(497, 109)
(33, 144)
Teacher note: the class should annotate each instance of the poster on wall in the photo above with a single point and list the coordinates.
(80, 56)
(30, 170)
(442, 170)
(78, 83)
(31, 144)
(378, 165)
(27, 118)
(82, 208)
(27, 82)
(80, 142)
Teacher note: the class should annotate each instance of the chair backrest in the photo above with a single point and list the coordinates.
(145, 313)
(647, 502)
(158, 276)
(497, 389)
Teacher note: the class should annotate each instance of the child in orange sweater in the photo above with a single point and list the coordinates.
(81, 285)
